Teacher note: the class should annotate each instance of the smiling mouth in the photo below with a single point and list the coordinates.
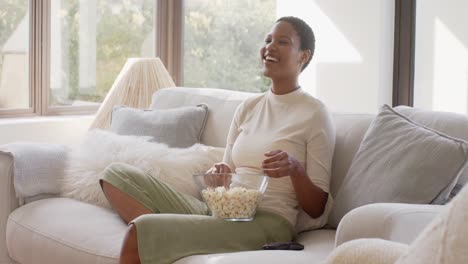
(270, 59)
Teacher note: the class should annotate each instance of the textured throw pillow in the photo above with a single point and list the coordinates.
(174, 166)
(400, 161)
(452, 124)
(176, 127)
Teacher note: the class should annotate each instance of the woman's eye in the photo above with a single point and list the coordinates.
(267, 40)
(283, 43)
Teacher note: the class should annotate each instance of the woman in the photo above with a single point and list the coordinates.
(284, 132)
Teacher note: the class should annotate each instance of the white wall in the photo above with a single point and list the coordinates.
(441, 55)
(352, 69)
(64, 130)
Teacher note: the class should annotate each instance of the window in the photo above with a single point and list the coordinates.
(14, 55)
(353, 64)
(441, 56)
(72, 50)
(90, 42)
(77, 48)
(222, 43)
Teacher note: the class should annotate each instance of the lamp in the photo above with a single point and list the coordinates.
(133, 87)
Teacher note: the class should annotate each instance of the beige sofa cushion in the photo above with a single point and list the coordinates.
(317, 246)
(62, 230)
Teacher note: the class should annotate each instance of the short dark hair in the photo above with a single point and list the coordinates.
(305, 32)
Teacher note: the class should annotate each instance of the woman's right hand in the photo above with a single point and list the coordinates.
(220, 167)
(217, 180)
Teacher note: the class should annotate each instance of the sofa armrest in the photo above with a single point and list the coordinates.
(390, 221)
(8, 201)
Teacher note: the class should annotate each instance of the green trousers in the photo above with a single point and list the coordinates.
(181, 225)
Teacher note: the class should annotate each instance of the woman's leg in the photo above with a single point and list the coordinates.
(127, 186)
(125, 205)
(133, 193)
(165, 238)
(128, 209)
(129, 252)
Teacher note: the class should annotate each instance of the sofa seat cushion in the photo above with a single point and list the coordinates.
(62, 230)
(317, 246)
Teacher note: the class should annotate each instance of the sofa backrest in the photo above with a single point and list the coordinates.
(221, 106)
(350, 128)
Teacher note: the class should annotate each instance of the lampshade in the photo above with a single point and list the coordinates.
(133, 87)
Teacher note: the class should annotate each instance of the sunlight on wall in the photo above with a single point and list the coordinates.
(441, 56)
(352, 67)
(331, 45)
(450, 71)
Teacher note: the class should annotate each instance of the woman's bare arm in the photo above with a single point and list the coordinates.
(311, 198)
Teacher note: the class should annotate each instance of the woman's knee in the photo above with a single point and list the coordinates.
(117, 169)
(119, 173)
(129, 252)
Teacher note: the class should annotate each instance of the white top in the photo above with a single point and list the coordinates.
(295, 122)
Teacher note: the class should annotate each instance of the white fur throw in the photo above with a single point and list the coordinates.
(174, 166)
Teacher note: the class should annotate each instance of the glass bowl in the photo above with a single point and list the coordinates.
(232, 196)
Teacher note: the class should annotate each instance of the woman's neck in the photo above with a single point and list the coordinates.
(284, 86)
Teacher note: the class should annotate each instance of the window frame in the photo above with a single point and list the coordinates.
(404, 52)
(169, 36)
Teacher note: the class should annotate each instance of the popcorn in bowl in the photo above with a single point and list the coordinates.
(230, 196)
(233, 203)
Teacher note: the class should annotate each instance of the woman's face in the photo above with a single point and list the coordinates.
(281, 54)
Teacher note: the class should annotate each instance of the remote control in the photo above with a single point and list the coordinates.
(284, 246)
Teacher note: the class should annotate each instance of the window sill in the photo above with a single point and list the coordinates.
(43, 119)
(68, 130)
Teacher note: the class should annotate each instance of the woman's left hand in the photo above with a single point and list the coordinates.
(279, 164)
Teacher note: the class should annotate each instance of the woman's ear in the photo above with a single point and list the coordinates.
(306, 54)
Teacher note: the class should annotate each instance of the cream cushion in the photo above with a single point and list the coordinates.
(63, 230)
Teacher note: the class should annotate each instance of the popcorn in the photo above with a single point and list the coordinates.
(233, 203)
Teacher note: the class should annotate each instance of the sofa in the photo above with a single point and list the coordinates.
(51, 229)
